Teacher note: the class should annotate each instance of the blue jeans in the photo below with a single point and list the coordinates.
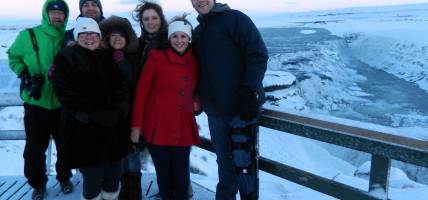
(132, 163)
(229, 180)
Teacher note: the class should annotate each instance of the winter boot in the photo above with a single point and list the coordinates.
(38, 194)
(110, 195)
(95, 198)
(135, 186)
(124, 187)
(66, 187)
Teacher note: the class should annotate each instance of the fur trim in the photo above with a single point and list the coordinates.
(112, 22)
(110, 195)
(95, 198)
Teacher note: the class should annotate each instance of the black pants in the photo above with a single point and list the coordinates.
(103, 177)
(40, 124)
(172, 171)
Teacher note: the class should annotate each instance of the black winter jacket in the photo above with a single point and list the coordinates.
(231, 55)
(95, 101)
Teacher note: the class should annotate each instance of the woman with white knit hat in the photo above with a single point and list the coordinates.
(95, 100)
(164, 107)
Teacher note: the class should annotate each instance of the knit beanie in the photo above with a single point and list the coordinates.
(85, 24)
(179, 25)
(98, 2)
(57, 5)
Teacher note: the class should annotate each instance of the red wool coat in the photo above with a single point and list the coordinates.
(163, 104)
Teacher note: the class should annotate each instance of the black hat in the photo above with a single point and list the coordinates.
(98, 2)
(57, 5)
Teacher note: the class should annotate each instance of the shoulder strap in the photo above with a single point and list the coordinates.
(35, 46)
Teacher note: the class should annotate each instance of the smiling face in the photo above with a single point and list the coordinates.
(117, 41)
(89, 40)
(91, 9)
(151, 21)
(179, 41)
(203, 6)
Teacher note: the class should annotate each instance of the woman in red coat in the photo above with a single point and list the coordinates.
(163, 110)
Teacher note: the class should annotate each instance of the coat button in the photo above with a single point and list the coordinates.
(184, 65)
(180, 108)
(181, 93)
(185, 78)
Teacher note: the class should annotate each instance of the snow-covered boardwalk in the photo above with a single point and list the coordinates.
(16, 188)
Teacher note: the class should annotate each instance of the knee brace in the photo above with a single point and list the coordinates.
(245, 148)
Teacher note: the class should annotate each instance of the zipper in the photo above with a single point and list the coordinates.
(53, 53)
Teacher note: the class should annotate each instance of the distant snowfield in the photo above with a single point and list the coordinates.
(393, 39)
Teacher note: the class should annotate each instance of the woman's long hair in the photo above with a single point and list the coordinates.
(163, 30)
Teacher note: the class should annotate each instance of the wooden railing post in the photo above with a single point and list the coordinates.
(379, 176)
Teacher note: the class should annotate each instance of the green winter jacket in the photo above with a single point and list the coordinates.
(22, 54)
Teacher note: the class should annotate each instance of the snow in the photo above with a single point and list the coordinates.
(307, 32)
(310, 79)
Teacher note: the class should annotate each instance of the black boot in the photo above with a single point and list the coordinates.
(38, 194)
(135, 186)
(66, 187)
(251, 196)
(124, 187)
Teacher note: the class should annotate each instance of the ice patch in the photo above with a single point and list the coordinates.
(308, 32)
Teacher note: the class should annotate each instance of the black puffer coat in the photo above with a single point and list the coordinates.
(232, 56)
(95, 100)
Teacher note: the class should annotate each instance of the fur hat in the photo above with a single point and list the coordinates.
(179, 25)
(115, 23)
(85, 24)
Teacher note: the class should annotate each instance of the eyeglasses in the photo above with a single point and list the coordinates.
(89, 34)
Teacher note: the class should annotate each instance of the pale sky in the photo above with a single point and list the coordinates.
(26, 9)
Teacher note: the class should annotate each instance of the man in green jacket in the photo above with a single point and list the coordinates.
(30, 58)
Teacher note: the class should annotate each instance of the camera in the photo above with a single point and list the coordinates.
(32, 83)
(36, 82)
(25, 79)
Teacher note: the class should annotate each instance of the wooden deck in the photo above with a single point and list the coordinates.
(16, 188)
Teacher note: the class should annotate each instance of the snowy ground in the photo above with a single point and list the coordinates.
(312, 77)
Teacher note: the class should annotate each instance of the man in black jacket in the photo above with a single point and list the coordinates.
(88, 8)
(233, 59)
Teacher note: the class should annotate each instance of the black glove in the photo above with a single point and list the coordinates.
(138, 147)
(248, 102)
(106, 117)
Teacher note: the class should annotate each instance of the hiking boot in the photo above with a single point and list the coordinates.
(66, 187)
(38, 194)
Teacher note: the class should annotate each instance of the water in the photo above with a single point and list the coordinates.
(392, 97)
(392, 101)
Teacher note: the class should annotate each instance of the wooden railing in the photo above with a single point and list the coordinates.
(383, 147)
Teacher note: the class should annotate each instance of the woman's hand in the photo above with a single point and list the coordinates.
(135, 135)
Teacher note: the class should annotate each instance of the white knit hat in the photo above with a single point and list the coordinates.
(179, 26)
(85, 24)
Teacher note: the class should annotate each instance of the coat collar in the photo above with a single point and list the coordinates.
(174, 58)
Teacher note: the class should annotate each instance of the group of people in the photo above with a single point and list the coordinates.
(103, 94)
